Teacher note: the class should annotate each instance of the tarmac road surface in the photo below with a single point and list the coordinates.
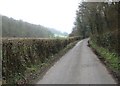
(78, 66)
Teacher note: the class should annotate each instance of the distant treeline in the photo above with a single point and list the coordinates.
(19, 28)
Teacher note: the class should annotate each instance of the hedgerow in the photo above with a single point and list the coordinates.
(20, 55)
(109, 40)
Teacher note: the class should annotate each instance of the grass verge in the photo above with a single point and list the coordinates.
(111, 60)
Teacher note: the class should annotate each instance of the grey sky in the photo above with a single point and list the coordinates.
(58, 14)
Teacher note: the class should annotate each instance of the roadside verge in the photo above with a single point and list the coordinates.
(110, 60)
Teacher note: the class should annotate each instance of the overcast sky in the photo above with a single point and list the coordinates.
(58, 14)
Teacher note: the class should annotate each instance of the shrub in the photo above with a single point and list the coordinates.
(109, 40)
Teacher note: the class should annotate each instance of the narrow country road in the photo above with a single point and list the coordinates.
(78, 66)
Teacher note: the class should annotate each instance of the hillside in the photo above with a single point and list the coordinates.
(19, 28)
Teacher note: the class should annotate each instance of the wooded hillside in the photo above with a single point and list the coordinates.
(19, 28)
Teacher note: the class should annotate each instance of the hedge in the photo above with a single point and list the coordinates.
(20, 54)
(109, 40)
